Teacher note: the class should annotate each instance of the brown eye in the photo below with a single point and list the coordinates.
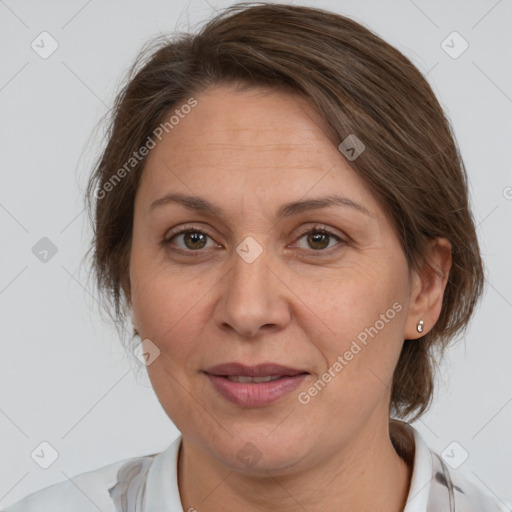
(194, 239)
(320, 239)
(187, 241)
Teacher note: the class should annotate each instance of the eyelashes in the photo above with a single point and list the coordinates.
(186, 232)
(194, 241)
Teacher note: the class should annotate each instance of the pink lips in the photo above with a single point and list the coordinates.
(254, 394)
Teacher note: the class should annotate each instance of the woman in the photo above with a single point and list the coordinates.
(283, 211)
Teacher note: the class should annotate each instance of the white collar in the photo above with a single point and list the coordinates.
(162, 492)
(422, 475)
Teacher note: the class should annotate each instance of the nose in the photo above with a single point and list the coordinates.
(253, 297)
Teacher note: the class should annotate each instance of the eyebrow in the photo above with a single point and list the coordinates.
(200, 204)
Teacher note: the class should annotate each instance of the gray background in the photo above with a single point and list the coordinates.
(65, 378)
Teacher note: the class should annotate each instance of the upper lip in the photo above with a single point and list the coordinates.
(259, 370)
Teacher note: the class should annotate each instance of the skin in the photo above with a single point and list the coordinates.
(297, 304)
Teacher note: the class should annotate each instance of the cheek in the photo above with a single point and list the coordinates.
(160, 295)
(374, 353)
(173, 313)
(358, 301)
(366, 318)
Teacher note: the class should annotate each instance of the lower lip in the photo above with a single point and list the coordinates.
(255, 394)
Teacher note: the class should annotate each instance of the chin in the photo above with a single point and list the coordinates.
(261, 449)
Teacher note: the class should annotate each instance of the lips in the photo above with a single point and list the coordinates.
(259, 370)
(245, 379)
(254, 386)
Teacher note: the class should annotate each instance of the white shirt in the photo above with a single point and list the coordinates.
(149, 484)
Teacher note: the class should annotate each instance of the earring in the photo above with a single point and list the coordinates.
(419, 327)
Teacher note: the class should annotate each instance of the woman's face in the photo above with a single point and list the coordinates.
(252, 283)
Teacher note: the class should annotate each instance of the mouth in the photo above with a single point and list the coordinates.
(254, 386)
(245, 379)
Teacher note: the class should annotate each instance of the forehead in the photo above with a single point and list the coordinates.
(227, 117)
(249, 140)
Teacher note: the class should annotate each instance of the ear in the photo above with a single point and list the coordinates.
(427, 289)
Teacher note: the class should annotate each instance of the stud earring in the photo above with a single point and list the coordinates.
(419, 327)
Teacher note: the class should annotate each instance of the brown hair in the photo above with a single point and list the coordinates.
(360, 85)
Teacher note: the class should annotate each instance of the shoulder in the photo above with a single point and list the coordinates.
(469, 495)
(85, 492)
(435, 484)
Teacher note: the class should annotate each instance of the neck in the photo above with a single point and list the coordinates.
(367, 476)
